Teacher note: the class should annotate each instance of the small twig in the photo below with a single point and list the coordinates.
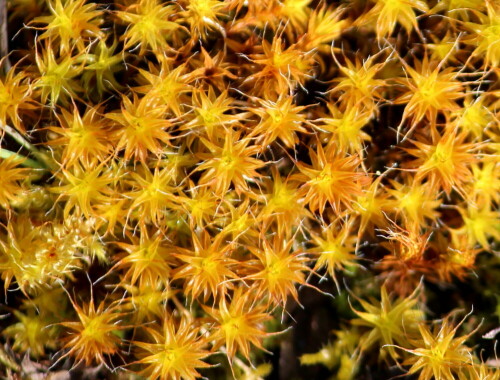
(4, 40)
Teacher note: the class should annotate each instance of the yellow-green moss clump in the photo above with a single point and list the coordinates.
(176, 177)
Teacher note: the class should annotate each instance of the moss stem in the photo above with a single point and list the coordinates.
(43, 162)
(28, 162)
